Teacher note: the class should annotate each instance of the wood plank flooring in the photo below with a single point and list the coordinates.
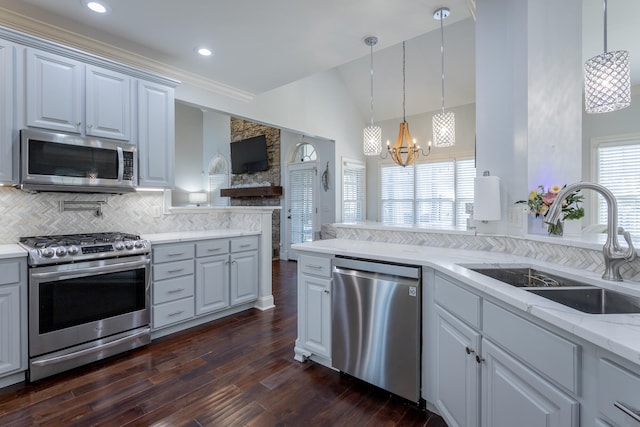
(237, 371)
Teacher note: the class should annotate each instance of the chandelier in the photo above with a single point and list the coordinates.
(607, 79)
(405, 151)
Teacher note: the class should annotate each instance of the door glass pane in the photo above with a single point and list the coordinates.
(301, 205)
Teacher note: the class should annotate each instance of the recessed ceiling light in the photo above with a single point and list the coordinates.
(97, 6)
(204, 51)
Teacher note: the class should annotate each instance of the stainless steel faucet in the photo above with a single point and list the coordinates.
(614, 256)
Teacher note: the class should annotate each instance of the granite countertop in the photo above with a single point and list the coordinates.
(185, 236)
(618, 333)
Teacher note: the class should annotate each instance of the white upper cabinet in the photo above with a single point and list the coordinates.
(8, 164)
(156, 135)
(67, 95)
(54, 91)
(108, 104)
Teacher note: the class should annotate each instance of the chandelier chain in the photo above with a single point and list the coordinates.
(442, 56)
(371, 84)
(605, 26)
(404, 95)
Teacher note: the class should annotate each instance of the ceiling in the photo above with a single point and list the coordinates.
(261, 45)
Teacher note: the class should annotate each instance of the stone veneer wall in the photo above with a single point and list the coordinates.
(31, 214)
(585, 259)
(242, 129)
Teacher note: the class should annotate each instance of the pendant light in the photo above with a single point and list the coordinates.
(405, 151)
(607, 79)
(444, 123)
(372, 135)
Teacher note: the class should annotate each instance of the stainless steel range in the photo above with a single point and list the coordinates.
(88, 298)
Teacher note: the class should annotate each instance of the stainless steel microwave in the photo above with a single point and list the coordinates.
(52, 161)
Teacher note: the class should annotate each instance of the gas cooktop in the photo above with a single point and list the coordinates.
(66, 248)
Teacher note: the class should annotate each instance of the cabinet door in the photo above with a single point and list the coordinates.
(244, 277)
(212, 284)
(513, 395)
(10, 329)
(54, 91)
(156, 117)
(8, 156)
(108, 104)
(457, 371)
(316, 336)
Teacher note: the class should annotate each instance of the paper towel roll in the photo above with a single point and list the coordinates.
(486, 205)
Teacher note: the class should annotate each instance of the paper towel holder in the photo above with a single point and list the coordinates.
(487, 198)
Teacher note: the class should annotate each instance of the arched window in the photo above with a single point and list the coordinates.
(303, 152)
(218, 178)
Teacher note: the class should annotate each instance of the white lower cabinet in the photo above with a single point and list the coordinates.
(192, 280)
(496, 369)
(618, 393)
(314, 308)
(13, 317)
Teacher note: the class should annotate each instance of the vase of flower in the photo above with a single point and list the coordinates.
(540, 200)
(555, 229)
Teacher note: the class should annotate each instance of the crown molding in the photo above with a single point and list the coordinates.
(35, 33)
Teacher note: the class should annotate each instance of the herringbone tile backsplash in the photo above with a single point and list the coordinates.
(584, 259)
(33, 214)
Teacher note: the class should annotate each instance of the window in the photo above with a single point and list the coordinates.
(353, 175)
(617, 169)
(430, 193)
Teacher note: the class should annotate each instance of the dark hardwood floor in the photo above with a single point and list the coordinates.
(238, 371)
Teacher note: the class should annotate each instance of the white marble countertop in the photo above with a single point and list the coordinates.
(12, 251)
(184, 236)
(618, 333)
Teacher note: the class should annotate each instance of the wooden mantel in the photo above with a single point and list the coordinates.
(267, 191)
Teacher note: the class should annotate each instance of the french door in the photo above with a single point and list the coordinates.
(301, 204)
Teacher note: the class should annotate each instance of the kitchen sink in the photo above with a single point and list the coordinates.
(591, 299)
(571, 293)
(524, 277)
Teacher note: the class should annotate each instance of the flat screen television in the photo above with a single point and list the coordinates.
(249, 155)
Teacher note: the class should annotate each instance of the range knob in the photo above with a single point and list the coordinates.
(73, 250)
(138, 244)
(47, 252)
(128, 244)
(61, 251)
(119, 246)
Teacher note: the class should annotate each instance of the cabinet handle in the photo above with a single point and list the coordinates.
(317, 267)
(173, 291)
(213, 249)
(175, 313)
(78, 124)
(469, 350)
(175, 254)
(479, 359)
(245, 245)
(90, 127)
(233, 261)
(175, 271)
(326, 291)
(631, 412)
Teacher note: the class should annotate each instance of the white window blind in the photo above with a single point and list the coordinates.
(301, 183)
(430, 193)
(353, 176)
(618, 170)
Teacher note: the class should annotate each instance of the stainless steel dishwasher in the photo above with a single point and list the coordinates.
(376, 333)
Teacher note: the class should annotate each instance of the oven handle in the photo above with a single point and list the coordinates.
(86, 351)
(91, 270)
(120, 164)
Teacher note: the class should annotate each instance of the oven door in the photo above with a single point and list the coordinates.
(75, 303)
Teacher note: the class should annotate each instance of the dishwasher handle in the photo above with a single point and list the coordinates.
(380, 268)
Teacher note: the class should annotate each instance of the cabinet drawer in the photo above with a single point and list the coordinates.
(172, 253)
(172, 289)
(172, 312)
(172, 269)
(616, 384)
(244, 244)
(315, 266)
(460, 302)
(212, 247)
(9, 272)
(543, 350)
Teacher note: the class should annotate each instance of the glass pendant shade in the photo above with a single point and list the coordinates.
(607, 82)
(444, 129)
(404, 151)
(372, 140)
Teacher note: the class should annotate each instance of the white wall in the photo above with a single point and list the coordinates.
(188, 176)
(421, 129)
